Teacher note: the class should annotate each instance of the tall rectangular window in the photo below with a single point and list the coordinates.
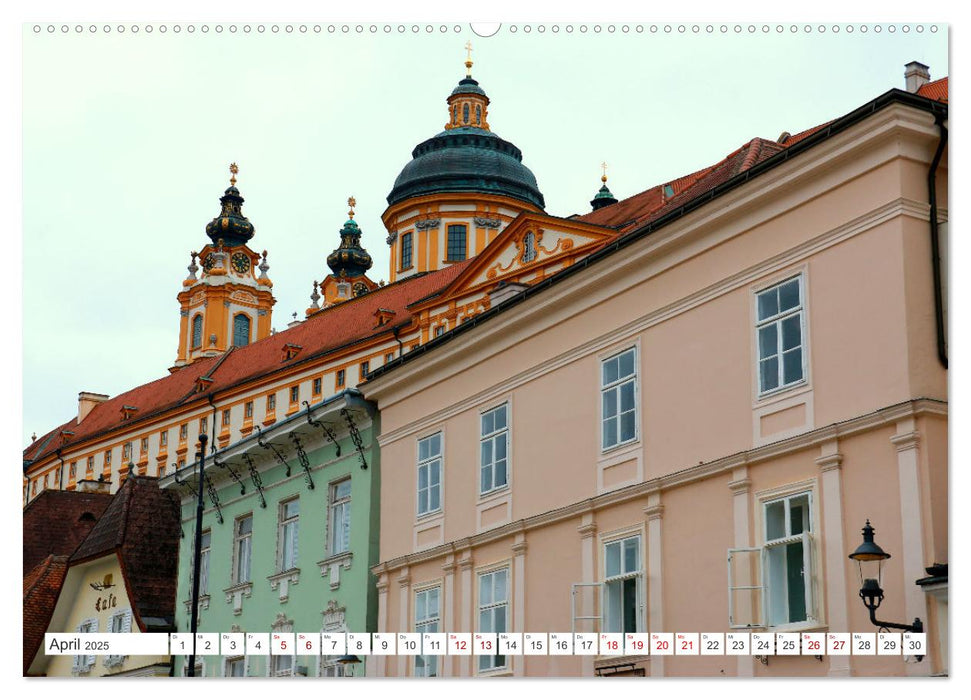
(365, 368)
(107, 459)
(430, 474)
(204, 425)
(163, 438)
(226, 414)
(271, 403)
(493, 611)
(126, 452)
(289, 534)
(406, 250)
(203, 564)
(618, 380)
(89, 470)
(623, 597)
(493, 446)
(427, 616)
(388, 357)
(143, 445)
(340, 517)
(779, 333)
(295, 394)
(456, 242)
(340, 378)
(317, 385)
(243, 549)
(788, 561)
(183, 432)
(248, 410)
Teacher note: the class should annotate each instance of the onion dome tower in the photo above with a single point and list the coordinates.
(461, 188)
(229, 304)
(603, 197)
(349, 264)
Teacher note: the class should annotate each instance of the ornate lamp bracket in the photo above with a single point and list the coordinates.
(255, 477)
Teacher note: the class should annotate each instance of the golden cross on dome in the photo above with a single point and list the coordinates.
(603, 177)
(351, 202)
(234, 169)
(468, 60)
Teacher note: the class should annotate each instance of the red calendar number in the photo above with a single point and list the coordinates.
(685, 645)
(460, 645)
(663, 645)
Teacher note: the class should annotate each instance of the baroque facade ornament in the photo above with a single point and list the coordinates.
(424, 224)
(486, 223)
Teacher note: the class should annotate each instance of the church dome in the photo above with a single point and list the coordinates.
(350, 259)
(230, 227)
(467, 156)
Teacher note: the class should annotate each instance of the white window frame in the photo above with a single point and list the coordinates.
(761, 578)
(123, 620)
(85, 662)
(427, 463)
(229, 661)
(492, 606)
(429, 624)
(338, 505)
(616, 387)
(492, 437)
(205, 553)
(288, 527)
(639, 575)
(776, 320)
(237, 540)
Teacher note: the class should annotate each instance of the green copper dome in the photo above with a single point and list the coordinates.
(230, 226)
(467, 159)
(603, 198)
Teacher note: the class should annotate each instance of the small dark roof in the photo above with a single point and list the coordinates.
(142, 527)
(56, 522)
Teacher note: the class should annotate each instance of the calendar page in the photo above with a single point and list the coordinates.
(408, 347)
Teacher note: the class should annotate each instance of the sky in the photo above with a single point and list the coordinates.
(127, 139)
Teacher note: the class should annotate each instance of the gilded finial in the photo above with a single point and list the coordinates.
(351, 202)
(603, 178)
(233, 169)
(468, 59)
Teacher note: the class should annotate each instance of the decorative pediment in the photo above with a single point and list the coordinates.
(531, 243)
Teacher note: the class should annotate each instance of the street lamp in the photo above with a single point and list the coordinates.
(347, 662)
(869, 558)
(197, 556)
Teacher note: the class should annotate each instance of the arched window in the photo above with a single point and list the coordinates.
(529, 247)
(455, 114)
(465, 113)
(240, 330)
(478, 114)
(197, 331)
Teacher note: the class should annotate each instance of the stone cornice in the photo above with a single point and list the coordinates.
(724, 465)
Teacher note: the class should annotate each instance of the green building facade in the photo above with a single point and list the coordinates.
(290, 533)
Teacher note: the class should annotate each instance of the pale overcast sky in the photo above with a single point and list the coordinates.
(127, 138)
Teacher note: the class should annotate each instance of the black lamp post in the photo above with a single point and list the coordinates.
(196, 559)
(869, 558)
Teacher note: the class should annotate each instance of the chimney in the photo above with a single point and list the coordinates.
(505, 290)
(916, 74)
(87, 400)
(94, 486)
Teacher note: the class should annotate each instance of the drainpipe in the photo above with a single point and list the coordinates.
(60, 478)
(401, 347)
(212, 429)
(935, 242)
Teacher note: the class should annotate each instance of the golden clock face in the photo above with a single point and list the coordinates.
(208, 262)
(240, 262)
(360, 289)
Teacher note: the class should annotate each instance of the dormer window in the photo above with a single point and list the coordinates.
(203, 383)
(291, 350)
(128, 411)
(383, 316)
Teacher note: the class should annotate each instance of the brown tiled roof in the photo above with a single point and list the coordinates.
(42, 586)
(331, 329)
(637, 210)
(56, 522)
(142, 527)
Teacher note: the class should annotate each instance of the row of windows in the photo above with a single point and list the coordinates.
(785, 584)
(241, 330)
(779, 329)
(288, 537)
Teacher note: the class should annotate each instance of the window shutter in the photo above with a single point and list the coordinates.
(126, 623)
(747, 590)
(92, 627)
(810, 574)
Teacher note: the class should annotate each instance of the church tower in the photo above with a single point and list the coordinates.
(349, 264)
(229, 304)
(461, 188)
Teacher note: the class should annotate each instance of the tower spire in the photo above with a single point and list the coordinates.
(350, 259)
(233, 169)
(603, 197)
(468, 59)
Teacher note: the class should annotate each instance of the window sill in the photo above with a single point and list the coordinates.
(294, 407)
(236, 593)
(282, 582)
(430, 515)
(493, 672)
(620, 449)
(783, 392)
(811, 626)
(203, 603)
(270, 419)
(494, 495)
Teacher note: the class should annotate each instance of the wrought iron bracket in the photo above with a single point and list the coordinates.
(270, 446)
(214, 498)
(255, 477)
(232, 473)
(355, 436)
(327, 431)
(182, 482)
(304, 460)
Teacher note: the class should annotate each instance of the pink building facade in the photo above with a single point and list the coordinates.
(687, 431)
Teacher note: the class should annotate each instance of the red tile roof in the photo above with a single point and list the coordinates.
(56, 522)
(331, 329)
(142, 526)
(42, 586)
(935, 90)
(639, 209)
